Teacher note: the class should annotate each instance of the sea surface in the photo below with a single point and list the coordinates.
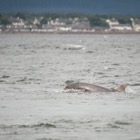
(33, 72)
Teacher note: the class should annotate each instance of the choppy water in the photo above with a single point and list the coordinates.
(33, 71)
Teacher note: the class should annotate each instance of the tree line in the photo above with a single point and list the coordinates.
(94, 19)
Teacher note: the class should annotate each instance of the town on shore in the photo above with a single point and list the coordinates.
(68, 23)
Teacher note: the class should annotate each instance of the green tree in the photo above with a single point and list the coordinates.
(124, 20)
(20, 15)
(5, 21)
(43, 21)
(97, 22)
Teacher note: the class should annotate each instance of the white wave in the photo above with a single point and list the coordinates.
(129, 90)
(74, 47)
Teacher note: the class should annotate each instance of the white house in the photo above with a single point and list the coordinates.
(137, 25)
(112, 22)
(121, 27)
(116, 26)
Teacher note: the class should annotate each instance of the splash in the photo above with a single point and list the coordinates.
(74, 47)
(129, 90)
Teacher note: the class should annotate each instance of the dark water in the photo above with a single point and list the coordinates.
(33, 71)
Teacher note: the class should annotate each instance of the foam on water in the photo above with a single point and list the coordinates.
(74, 47)
(130, 90)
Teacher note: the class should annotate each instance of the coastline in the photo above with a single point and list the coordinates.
(71, 32)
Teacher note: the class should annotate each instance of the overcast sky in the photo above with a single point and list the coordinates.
(84, 6)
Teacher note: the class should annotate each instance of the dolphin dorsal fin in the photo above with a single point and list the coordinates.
(121, 87)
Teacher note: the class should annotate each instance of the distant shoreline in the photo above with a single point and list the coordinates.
(96, 32)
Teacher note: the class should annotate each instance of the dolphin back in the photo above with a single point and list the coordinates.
(87, 87)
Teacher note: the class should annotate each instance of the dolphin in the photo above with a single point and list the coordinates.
(94, 88)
